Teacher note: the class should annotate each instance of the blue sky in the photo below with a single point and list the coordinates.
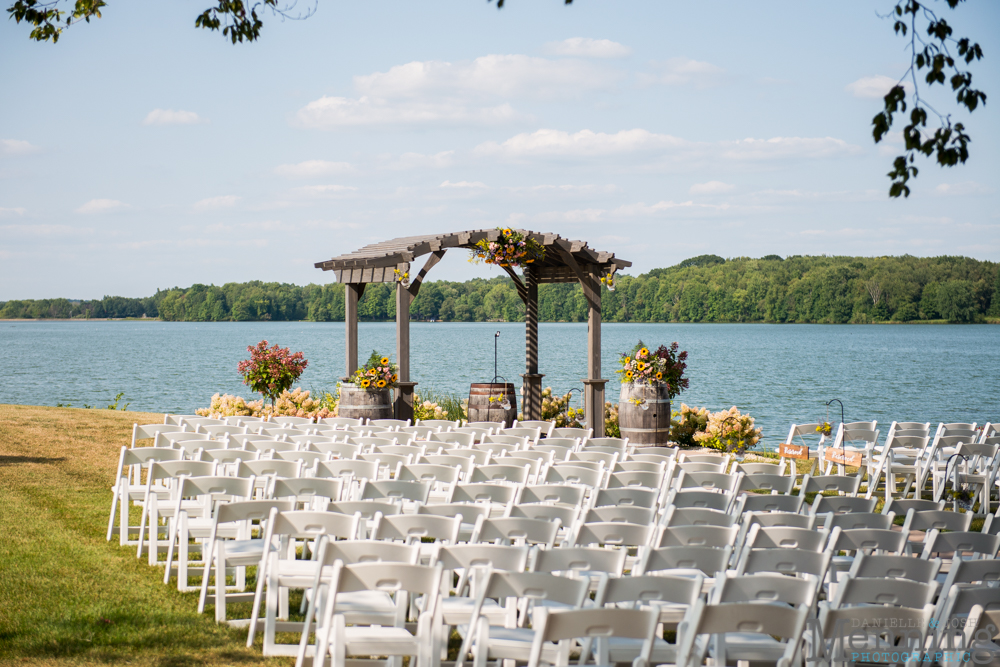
(139, 152)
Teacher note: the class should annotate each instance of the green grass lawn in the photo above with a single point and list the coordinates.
(67, 596)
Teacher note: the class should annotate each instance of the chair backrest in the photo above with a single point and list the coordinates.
(882, 591)
(515, 474)
(478, 432)
(531, 434)
(618, 444)
(786, 537)
(714, 481)
(582, 433)
(855, 520)
(706, 559)
(367, 508)
(626, 496)
(170, 438)
(566, 514)
(900, 506)
(698, 536)
(780, 621)
(240, 439)
(497, 448)
(841, 504)
(784, 561)
(520, 441)
(451, 460)
(494, 493)
(470, 512)
(428, 472)
(544, 426)
(454, 438)
(347, 467)
(961, 543)
(342, 421)
(635, 478)
(782, 484)
(391, 423)
(307, 488)
(846, 484)
(645, 466)
(580, 560)
(614, 533)
(568, 625)
(937, 519)
(416, 527)
(370, 551)
(172, 469)
(764, 587)
(697, 516)
(420, 432)
(698, 497)
(890, 566)
(594, 457)
(392, 489)
(621, 513)
(177, 420)
(756, 502)
(480, 457)
(215, 430)
(343, 450)
(228, 455)
(518, 530)
(265, 446)
(389, 461)
(149, 431)
(269, 468)
(870, 539)
(306, 439)
(496, 557)
(308, 459)
(145, 456)
(702, 466)
(368, 441)
(224, 488)
(756, 468)
(533, 465)
(570, 474)
(553, 493)
(441, 424)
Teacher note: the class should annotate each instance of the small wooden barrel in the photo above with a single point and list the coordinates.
(481, 409)
(356, 402)
(644, 427)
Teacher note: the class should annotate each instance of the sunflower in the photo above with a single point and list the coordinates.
(380, 384)
(643, 352)
(640, 366)
(372, 372)
(384, 361)
(365, 383)
(659, 376)
(628, 375)
(394, 377)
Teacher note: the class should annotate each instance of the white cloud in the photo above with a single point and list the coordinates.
(312, 169)
(465, 93)
(421, 161)
(710, 188)
(966, 189)
(787, 147)
(488, 76)
(586, 47)
(216, 203)
(16, 147)
(641, 208)
(683, 72)
(45, 230)
(102, 206)
(330, 112)
(11, 212)
(463, 185)
(172, 117)
(871, 87)
(585, 143)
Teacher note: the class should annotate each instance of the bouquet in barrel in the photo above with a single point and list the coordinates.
(379, 372)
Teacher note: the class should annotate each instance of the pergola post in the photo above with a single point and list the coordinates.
(594, 384)
(352, 293)
(532, 398)
(403, 407)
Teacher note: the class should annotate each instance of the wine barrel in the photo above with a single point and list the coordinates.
(481, 409)
(644, 427)
(356, 402)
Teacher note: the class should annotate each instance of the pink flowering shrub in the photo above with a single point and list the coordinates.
(729, 430)
(297, 403)
(271, 371)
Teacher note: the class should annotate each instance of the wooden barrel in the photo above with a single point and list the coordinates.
(356, 402)
(481, 409)
(644, 427)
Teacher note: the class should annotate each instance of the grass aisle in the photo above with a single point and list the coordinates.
(66, 595)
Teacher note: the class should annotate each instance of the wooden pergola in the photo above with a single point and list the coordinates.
(565, 261)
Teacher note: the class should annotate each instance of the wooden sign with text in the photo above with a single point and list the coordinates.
(794, 451)
(845, 457)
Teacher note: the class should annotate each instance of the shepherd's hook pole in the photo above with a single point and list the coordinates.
(841, 416)
(496, 339)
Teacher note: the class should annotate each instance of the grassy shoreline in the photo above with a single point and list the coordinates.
(67, 596)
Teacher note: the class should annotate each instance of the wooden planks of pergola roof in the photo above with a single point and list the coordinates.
(565, 261)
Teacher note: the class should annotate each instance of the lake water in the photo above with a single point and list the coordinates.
(779, 373)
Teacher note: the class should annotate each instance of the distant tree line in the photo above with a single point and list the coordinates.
(708, 288)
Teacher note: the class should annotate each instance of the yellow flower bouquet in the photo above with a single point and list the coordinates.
(379, 372)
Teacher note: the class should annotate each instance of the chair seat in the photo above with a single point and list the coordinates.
(511, 643)
(626, 649)
(458, 610)
(366, 640)
(752, 647)
(243, 550)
